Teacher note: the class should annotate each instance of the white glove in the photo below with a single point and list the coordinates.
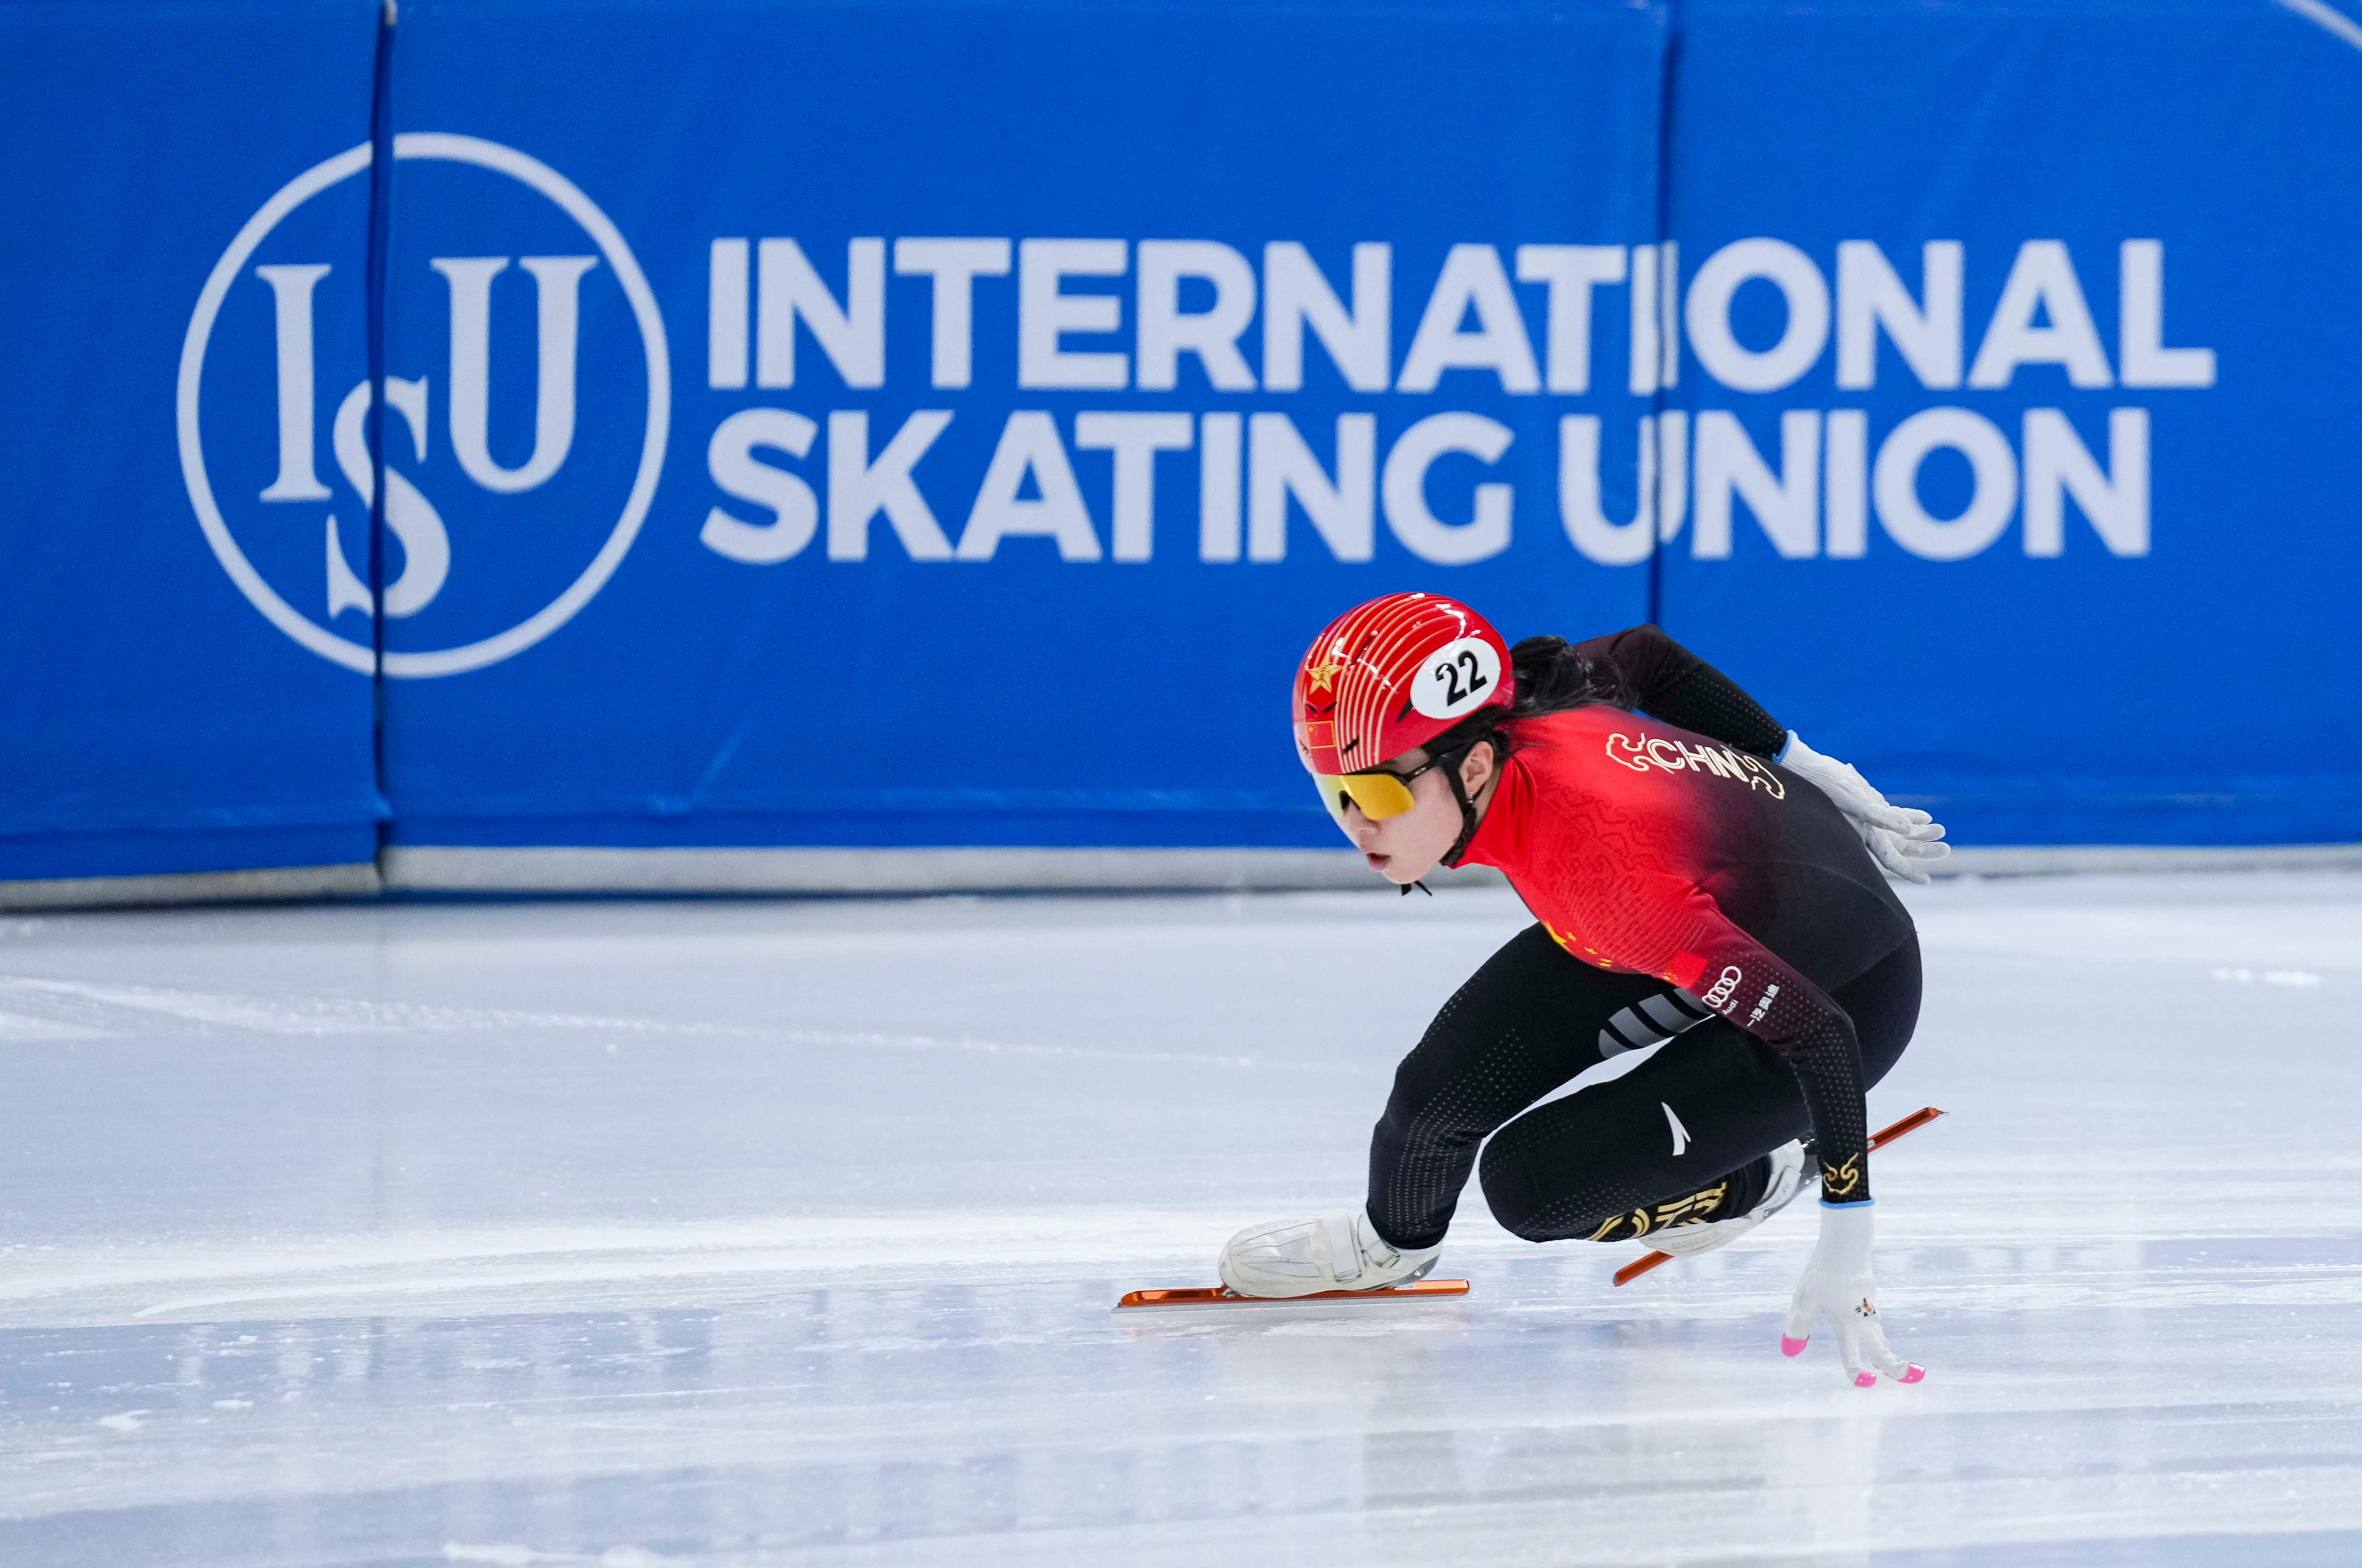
(1838, 1285)
(1904, 840)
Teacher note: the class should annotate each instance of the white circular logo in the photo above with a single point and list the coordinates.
(1456, 679)
(512, 609)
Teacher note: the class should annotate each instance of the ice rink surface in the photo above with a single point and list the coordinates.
(770, 1232)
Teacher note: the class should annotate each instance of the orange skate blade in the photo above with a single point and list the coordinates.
(1221, 1295)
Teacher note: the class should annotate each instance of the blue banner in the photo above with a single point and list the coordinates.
(1022, 386)
(944, 423)
(2012, 357)
(150, 719)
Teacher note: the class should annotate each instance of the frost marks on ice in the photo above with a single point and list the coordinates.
(17, 1029)
(506, 1556)
(288, 1014)
(435, 1273)
(89, 1007)
(2243, 977)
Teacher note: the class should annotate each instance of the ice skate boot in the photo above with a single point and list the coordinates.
(1328, 1251)
(1788, 1168)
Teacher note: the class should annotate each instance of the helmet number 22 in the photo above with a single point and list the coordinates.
(1456, 679)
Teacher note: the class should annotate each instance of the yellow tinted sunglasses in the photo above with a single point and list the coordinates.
(1379, 794)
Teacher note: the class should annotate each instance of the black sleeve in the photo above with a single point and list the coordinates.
(1827, 1059)
(1665, 679)
(1762, 994)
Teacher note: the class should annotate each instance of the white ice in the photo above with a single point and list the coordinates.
(738, 1233)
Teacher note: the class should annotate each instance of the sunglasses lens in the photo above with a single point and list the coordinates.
(1332, 795)
(1380, 795)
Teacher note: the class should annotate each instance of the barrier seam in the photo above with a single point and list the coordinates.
(379, 242)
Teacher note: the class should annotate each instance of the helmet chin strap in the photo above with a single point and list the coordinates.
(1468, 818)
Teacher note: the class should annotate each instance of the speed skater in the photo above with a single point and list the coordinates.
(1701, 880)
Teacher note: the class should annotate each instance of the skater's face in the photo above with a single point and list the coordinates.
(1406, 846)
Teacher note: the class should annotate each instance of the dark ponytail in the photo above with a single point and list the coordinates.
(1553, 676)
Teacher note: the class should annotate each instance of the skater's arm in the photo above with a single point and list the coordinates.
(1667, 680)
(1816, 1039)
(1663, 678)
(1746, 983)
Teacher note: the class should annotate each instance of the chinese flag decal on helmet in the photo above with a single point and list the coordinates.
(1393, 674)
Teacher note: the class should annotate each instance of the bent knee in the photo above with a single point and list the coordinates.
(1510, 1190)
(1544, 1184)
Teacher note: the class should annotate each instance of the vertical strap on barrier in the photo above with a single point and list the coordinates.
(1667, 285)
(381, 229)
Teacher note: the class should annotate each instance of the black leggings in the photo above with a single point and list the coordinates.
(1684, 1137)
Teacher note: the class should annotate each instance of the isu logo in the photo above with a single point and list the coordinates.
(525, 295)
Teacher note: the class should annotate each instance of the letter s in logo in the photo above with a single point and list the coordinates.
(409, 515)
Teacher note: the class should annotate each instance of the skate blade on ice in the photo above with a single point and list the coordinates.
(1222, 1295)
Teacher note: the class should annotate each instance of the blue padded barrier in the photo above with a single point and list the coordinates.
(150, 719)
(2077, 565)
(933, 424)
(1040, 242)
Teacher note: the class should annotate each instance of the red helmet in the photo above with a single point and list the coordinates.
(1393, 674)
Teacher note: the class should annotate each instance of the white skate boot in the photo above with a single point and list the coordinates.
(1787, 1181)
(1330, 1251)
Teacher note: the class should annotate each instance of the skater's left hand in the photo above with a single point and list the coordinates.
(1903, 839)
(1838, 1286)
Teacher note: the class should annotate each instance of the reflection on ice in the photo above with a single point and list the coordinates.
(754, 1233)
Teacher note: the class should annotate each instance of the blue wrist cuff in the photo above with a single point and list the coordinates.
(1857, 1203)
(1781, 755)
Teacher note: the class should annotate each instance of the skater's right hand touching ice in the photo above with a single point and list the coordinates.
(1838, 1286)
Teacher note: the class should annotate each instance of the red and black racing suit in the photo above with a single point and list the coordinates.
(1685, 886)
